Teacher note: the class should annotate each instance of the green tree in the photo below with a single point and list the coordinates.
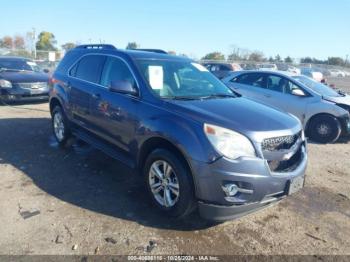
(278, 58)
(214, 56)
(46, 42)
(68, 46)
(132, 45)
(336, 61)
(306, 60)
(288, 59)
(271, 60)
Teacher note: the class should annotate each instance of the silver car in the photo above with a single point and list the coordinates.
(323, 111)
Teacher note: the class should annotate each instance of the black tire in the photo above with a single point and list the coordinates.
(324, 129)
(186, 200)
(66, 134)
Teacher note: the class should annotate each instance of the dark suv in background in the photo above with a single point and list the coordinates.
(193, 140)
(21, 80)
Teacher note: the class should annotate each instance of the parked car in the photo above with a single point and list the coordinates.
(220, 70)
(266, 67)
(288, 68)
(194, 141)
(22, 80)
(337, 73)
(323, 112)
(312, 73)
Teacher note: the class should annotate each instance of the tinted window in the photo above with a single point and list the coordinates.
(225, 68)
(277, 83)
(89, 68)
(252, 79)
(116, 70)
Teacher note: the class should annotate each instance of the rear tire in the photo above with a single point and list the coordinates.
(169, 184)
(60, 126)
(324, 129)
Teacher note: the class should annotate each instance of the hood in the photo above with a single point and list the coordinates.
(345, 100)
(240, 114)
(24, 76)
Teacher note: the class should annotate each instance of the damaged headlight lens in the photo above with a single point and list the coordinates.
(229, 143)
(5, 84)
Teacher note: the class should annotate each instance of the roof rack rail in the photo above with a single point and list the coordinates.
(96, 46)
(160, 51)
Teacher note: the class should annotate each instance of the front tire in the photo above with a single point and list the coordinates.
(324, 129)
(60, 126)
(169, 184)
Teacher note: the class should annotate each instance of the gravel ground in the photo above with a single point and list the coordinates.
(79, 201)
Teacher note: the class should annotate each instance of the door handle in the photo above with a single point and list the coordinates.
(96, 96)
(267, 95)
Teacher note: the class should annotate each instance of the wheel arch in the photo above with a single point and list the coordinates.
(154, 143)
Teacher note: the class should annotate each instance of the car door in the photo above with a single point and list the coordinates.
(250, 85)
(115, 115)
(84, 75)
(279, 93)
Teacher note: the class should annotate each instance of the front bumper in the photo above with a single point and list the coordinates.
(21, 94)
(345, 125)
(253, 174)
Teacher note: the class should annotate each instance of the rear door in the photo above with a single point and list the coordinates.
(84, 75)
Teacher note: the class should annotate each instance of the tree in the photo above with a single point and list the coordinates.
(306, 60)
(132, 45)
(278, 58)
(288, 59)
(271, 60)
(256, 56)
(19, 42)
(336, 61)
(7, 42)
(214, 56)
(68, 46)
(46, 41)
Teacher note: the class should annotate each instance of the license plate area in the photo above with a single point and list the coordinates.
(296, 184)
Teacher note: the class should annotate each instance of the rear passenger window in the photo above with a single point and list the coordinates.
(252, 79)
(89, 68)
(116, 70)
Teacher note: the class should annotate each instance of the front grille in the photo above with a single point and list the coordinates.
(286, 165)
(279, 143)
(36, 85)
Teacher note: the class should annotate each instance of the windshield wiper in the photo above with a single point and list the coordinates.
(180, 97)
(218, 96)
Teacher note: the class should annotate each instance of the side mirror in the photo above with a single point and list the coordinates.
(298, 92)
(121, 86)
(46, 70)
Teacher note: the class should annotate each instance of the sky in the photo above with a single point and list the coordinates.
(296, 28)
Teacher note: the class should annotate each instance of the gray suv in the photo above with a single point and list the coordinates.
(194, 142)
(323, 111)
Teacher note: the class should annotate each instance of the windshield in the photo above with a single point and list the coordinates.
(181, 79)
(19, 65)
(316, 86)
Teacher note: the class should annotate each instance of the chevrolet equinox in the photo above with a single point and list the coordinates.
(195, 142)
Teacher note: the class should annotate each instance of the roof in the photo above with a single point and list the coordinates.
(284, 73)
(14, 58)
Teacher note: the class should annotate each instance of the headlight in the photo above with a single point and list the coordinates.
(5, 84)
(229, 143)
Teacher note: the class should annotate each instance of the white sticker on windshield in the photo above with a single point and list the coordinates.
(31, 63)
(156, 77)
(200, 67)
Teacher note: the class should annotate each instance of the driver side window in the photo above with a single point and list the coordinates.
(293, 89)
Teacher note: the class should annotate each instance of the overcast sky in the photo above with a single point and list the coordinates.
(297, 28)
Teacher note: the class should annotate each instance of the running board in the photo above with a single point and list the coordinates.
(104, 147)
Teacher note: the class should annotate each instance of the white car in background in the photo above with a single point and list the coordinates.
(267, 67)
(337, 73)
(312, 73)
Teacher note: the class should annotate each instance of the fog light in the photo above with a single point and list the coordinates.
(230, 189)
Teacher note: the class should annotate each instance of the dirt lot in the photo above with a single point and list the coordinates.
(89, 200)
